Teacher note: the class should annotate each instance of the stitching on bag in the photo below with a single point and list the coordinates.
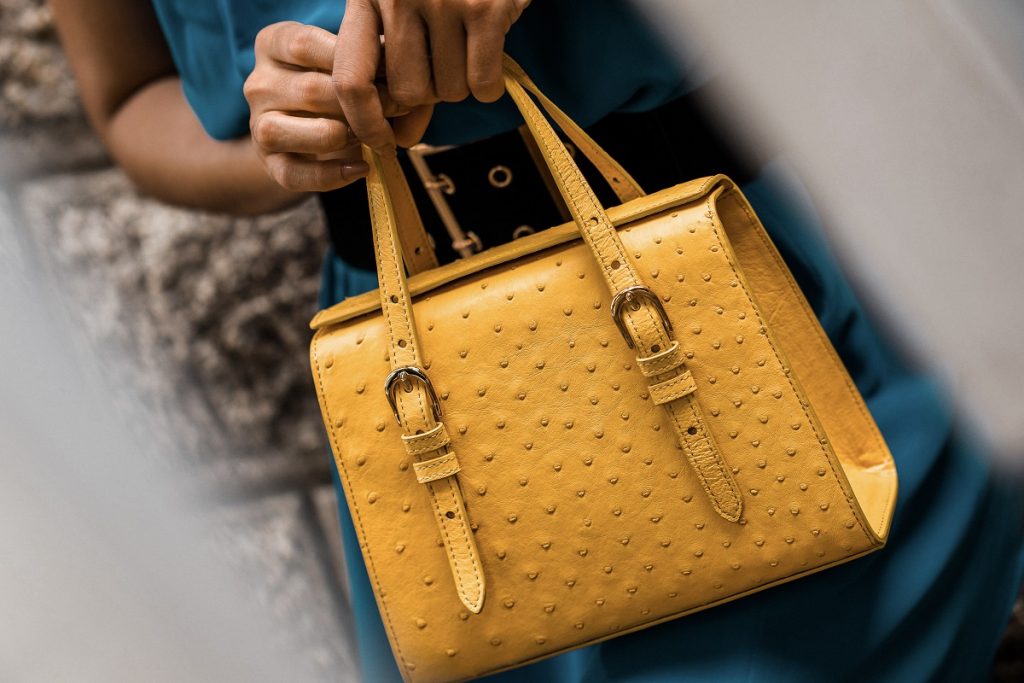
(420, 232)
(661, 363)
(439, 515)
(718, 462)
(428, 477)
(530, 112)
(718, 459)
(617, 246)
(419, 444)
(377, 197)
(435, 463)
(462, 523)
(670, 385)
(432, 434)
(775, 351)
(355, 504)
(424, 448)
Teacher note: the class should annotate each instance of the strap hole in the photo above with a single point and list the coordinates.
(402, 343)
(615, 264)
(691, 431)
(450, 514)
(418, 250)
(656, 348)
(394, 299)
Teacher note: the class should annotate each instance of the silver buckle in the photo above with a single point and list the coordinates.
(632, 296)
(464, 243)
(403, 376)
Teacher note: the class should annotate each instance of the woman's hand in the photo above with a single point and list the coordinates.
(296, 120)
(435, 50)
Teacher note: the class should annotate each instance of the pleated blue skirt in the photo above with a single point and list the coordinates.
(931, 606)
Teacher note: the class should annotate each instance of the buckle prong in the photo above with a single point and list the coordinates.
(404, 376)
(632, 297)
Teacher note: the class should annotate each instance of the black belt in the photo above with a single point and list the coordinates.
(495, 192)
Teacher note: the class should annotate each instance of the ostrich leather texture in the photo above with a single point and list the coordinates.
(571, 487)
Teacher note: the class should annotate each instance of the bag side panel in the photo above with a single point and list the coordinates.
(854, 436)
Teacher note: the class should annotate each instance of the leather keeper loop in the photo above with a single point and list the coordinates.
(436, 468)
(661, 362)
(671, 389)
(433, 440)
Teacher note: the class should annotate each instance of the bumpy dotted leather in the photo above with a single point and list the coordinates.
(413, 404)
(587, 517)
(646, 330)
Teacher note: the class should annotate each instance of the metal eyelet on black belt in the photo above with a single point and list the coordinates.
(500, 176)
(522, 231)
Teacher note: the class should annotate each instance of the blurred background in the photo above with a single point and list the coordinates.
(165, 500)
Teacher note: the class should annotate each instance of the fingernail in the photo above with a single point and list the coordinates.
(356, 169)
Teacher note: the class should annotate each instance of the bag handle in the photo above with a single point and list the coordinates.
(637, 311)
(416, 247)
(621, 182)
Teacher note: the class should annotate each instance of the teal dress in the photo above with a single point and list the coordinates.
(930, 606)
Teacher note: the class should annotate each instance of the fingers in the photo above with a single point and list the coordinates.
(296, 44)
(275, 132)
(485, 44)
(356, 58)
(448, 55)
(301, 174)
(410, 128)
(405, 52)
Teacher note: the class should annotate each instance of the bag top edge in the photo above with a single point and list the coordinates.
(421, 283)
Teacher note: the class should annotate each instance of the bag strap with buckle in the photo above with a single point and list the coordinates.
(637, 311)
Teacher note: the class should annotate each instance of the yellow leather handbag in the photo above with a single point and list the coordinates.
(592, 429)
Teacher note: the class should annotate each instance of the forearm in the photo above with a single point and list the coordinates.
(155, 137)
(134, 100)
